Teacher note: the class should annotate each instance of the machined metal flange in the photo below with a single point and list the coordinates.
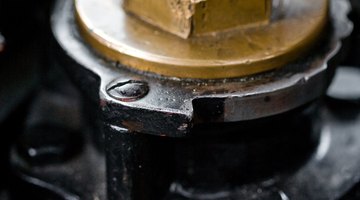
(171, 106)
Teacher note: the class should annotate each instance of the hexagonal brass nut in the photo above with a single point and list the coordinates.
(187, 18)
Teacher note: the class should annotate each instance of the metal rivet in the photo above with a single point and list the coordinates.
(128, 90)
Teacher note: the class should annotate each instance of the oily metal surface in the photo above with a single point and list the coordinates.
(236, 53)
(171, 106)
(328, 175)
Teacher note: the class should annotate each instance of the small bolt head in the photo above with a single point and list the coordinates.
(128, 90)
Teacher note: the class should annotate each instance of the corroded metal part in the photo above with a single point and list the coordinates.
(187, 18)
(234, 53)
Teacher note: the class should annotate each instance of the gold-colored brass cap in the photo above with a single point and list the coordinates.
(187, 18)
(238, 51)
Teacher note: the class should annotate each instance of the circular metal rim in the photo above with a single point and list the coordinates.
(238, 99)
(223, 56)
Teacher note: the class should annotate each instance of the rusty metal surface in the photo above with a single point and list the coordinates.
(172, 106)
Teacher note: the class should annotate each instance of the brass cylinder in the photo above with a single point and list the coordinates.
(214, 43)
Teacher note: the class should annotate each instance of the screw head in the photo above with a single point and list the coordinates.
(128, 90)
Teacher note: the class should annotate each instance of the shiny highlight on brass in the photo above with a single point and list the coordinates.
(187, 18)
(211, 51)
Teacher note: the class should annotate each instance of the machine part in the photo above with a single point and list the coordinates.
(224, 54)
(194, 18)
(263, 124)
(128, 91)
(329, 173)
(309, 153)
(172, 106)
(193, 117)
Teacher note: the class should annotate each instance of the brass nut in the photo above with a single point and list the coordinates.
(294, 28)
(187, 18)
